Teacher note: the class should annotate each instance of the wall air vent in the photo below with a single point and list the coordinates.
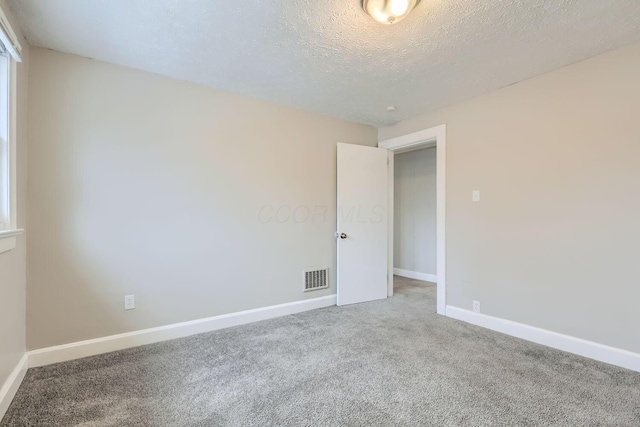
(316, 279)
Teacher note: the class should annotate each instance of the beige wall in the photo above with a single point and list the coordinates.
(144, 185)
(414, 230)
(554, 241)
(13, 263)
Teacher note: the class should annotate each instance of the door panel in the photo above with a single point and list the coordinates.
(362, 221)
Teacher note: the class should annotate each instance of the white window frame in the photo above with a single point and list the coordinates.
(8, 111)
(7, 180)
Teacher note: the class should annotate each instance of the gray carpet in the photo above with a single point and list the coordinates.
(385, 363)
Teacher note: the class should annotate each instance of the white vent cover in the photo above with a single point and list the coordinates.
(316, 279)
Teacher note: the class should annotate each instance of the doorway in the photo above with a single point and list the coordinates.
(432, 138)
(365, 220)
(414, 214)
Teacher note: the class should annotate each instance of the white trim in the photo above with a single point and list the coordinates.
(415, 275)
(7, 245)
(8, 239)
(5, 234)
(413, 141)
(12, 136)
(6, 144)
(603, 353)
(435, 136)
(9, 38)
(390, 219)
(11, 385)
(62, 353)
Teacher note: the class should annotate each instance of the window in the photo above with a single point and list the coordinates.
(9, 55)
(6, 152)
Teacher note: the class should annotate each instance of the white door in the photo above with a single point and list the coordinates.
(362, 223)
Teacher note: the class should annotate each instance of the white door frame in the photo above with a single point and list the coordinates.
(432, 137)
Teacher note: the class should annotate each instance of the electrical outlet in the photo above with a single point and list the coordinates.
(476, 306)
(129, 302)
(475, 195)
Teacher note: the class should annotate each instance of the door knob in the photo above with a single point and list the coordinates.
(341, 235)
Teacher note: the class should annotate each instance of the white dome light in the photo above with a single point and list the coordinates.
(389, 11)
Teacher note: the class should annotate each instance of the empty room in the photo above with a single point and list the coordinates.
(319, 213)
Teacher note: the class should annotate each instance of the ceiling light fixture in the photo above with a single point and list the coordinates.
(389, 11)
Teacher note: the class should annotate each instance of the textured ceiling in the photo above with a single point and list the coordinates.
(327, 55)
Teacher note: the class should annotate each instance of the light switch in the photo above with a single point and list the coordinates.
(475, 196)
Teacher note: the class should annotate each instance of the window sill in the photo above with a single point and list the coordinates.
(8, 239)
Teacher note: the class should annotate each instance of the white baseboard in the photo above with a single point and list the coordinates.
(590, 349)
(11, 385)
(415, 275)
(62, 353)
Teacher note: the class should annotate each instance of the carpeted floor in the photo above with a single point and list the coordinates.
(386, 363)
